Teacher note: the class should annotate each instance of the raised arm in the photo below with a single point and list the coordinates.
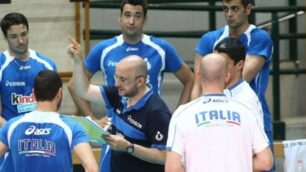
(196, 89)
(81, 83)
(82, 104)
(184, 74)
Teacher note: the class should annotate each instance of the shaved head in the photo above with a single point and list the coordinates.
(213, 70)
(135, 64)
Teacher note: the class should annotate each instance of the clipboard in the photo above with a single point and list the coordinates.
(93, 130)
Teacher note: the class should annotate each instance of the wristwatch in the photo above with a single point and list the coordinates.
(130, 148)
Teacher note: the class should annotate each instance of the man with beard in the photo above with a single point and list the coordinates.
(140, 118)
(42, 140)
(18, 67)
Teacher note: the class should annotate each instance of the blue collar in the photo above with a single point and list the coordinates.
(235, 85)
(210, 94)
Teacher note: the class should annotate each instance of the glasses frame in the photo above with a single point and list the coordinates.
(124, 80)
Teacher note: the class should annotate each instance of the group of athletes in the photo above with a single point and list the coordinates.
(222, 122)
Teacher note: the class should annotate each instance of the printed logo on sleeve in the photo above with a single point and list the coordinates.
(159, 136)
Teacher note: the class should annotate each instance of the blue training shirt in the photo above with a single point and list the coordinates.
(146, 124)
(159, 54)
(257, 42)
(17, 80)
(41, 141)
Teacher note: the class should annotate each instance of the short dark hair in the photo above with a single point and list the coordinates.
(243, 2)
(143, 3)
(233, 48)
(13, 18)
(46, 85)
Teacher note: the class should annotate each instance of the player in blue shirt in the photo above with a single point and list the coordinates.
(18, 67)
(159, 54)
(140, 118)
(258, 46)
(42, 140)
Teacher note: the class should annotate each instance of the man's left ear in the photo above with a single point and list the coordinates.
(140, 81)
(227, 78)
(59, 93)
(240, 64)
(249, 8)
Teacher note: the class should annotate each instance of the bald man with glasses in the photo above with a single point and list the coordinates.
(140, 118)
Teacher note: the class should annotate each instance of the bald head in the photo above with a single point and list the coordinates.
(213, 70)
(135, 64)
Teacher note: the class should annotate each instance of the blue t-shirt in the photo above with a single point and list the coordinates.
(159, 54)
(17, 80)
(257, 42)
(146, 124)
(41, 141)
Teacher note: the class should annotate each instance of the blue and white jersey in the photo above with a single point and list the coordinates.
(257, 42)
(160, 57)
(17, 80)
(41, 141)
(146, 124)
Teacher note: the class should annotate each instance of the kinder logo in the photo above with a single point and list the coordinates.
(37, 131)
(14, 84)
(20, 99)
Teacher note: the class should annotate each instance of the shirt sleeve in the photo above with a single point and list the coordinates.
(92, 61)
(206, 44)
(3, 134)
(173, 60)
(175, 140)
(79, 135)
(157, 130)
(259, 139)
(110, 95)
(261, 44)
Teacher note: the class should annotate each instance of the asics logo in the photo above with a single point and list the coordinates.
(37, 131)
(131, 49)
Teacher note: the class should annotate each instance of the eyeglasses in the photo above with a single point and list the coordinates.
(124, 80)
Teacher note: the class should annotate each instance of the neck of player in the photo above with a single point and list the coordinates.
(47, 106)
(132, 39)
(21, 56)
